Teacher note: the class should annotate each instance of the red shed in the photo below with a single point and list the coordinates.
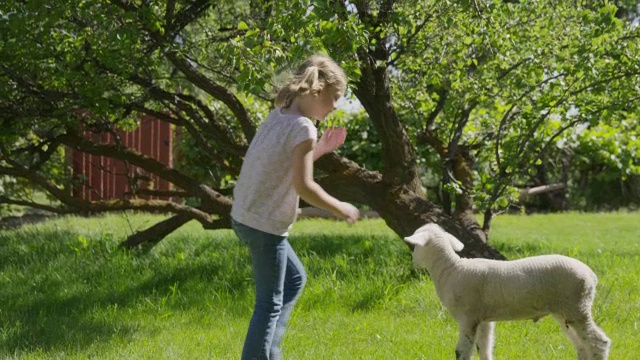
(106, 178)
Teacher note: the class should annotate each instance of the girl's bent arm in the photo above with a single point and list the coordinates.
(309, 190)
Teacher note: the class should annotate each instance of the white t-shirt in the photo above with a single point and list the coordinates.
(264, 197)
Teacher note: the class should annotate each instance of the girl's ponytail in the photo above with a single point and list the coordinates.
(313, 75)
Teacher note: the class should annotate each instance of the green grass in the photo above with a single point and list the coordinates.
(67, 292)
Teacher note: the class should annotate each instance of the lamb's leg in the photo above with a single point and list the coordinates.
(580, 346)
(466, 340)
(484, 340)
(593, 338)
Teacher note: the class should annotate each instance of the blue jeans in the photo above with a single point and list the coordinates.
(279, 279)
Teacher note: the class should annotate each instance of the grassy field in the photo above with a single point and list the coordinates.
(67, 292)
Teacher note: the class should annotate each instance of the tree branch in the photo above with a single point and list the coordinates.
(75, 204)
(215, 200)
(442, 100)
(195, 133)
(186, 103)
(401, 49)
(159, 193)
(219, 92)
(18, 171)
(156, 233)
(461, 123)
(159, 231)
(373, 91)
(150, 206)
(186, 16)
(347, 180)
(32, 204)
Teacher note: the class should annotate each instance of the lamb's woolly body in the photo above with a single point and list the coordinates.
(538, 285)
(480, 291)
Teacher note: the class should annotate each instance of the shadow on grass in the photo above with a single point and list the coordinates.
(367, 271)
(352, 244)
(62, 292)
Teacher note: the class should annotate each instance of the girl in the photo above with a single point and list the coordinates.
(277, 169)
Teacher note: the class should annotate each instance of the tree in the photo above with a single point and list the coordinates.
(478, 91)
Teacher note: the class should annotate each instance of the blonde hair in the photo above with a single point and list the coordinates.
(312, 76)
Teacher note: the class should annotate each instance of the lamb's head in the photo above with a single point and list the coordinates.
(426, 238)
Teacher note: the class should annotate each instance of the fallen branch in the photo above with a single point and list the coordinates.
(527, 193)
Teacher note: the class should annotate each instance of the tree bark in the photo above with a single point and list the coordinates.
(401, 207)
(156, 233)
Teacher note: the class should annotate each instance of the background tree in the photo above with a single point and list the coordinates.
(472, 93)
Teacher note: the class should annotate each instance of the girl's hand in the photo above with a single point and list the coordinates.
(332, 139)
(349, 212)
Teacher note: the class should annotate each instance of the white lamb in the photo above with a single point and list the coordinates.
(478, 292)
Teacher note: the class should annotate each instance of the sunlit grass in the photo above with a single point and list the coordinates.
(68, 292)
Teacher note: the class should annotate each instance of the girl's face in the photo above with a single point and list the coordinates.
(323, 103)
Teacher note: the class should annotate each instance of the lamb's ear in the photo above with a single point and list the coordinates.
(456, 244)
(417, 239)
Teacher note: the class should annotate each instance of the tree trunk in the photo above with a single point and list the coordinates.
(401, 207)
(396, 193)
(404, 212)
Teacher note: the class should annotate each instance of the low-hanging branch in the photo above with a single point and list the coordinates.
(35, 205)
(18, 171)
(161, 206)
(159, 193)
(74, 205)
(215, 200)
